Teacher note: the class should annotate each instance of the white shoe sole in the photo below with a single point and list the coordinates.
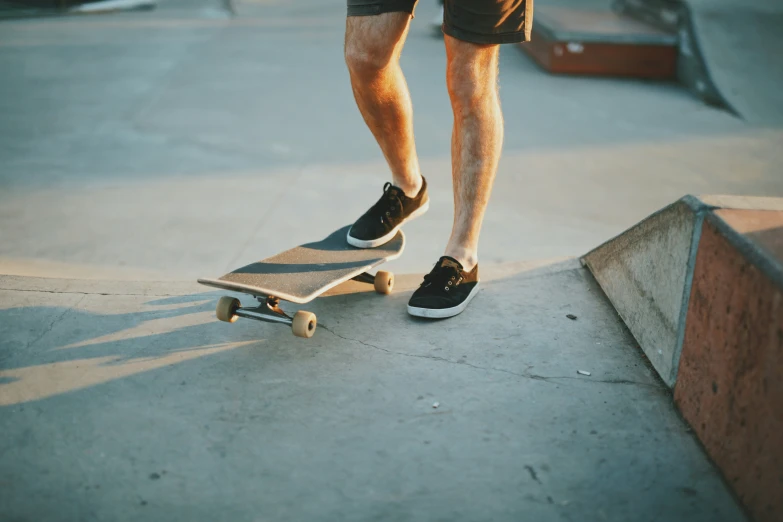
(372, 243)
(443, 313)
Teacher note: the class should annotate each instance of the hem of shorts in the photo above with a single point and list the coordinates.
(500, 38)
(375, 9)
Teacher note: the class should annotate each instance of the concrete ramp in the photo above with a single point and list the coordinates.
(129, 401)
(645, 271)
(741, 44)
(729, 52)
(700, 286)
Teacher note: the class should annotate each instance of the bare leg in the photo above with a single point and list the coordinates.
(372, 52)
(476, 140)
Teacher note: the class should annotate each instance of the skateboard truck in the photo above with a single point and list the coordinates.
(229, 309)
(269, 311)
(303, 323)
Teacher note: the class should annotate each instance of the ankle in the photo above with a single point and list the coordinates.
(466, 258)
(410, 187)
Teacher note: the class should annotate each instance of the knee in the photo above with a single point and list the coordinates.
(367, 59)
(373, 43)
(464, 86)
(471, 77)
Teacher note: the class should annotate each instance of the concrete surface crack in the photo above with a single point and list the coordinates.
(611, 381)
(525, 375)
(355, 340)
(53, 323)
(532, 472)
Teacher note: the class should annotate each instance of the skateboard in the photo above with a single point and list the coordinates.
(301, 274)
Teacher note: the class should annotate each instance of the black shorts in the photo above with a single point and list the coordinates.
(478, 21)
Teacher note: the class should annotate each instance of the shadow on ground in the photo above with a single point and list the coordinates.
(139, 407)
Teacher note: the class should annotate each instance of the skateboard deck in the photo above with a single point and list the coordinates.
(302, 273)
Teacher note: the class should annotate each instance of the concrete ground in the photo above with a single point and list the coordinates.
(139, 151)
(132, 403)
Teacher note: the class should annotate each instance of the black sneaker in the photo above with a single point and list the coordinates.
(379, 224)
(446, 291)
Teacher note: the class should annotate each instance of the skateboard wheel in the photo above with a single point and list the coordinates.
(226, 308)
(384, 282)
(304, 324)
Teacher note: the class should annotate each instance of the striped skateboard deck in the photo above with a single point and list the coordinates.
(301, 274)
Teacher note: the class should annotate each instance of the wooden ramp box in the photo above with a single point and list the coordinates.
(574, 41)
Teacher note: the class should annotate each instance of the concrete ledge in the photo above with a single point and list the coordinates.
(647, 271)
(600, 42)
(700, 286)
(730, 383)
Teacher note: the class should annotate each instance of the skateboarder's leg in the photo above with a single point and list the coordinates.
(373, 44)
(374, 36)
(476, 140)
(473, 30)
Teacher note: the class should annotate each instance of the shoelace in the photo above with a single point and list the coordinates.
(389, 203)
(443, 276)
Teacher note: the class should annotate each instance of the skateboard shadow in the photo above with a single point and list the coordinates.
(54, 351)
(49, 351)
(84, 348)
